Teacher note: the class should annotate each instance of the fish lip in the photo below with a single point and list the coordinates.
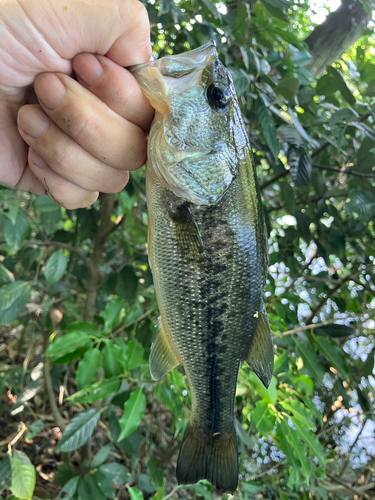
(194, 52)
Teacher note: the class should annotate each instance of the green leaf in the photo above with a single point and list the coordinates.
(15, 234)
(252, 488)
(13, 298)
(79, 430)
(300, 166)
(365, 368)
(290, 134)
(281, 4)
(333, 354)
(268, 127)
(316, 449)
(12, 205)
(88, 368)
(66, 344)
(5, 473)
(276, 12)
(94, 392)
(134, 409)
(135, 494)
(241, 80)
(116, 473)
(269, 395)
(312, 143)
(104, 484)
(70, 488)
(101, 456)
(83, 326)
(5, 276)
(50, 221)
(287, 197)
(303, 226)
(127, 284)
(88, 489)
(288, 87)
(282, 433)
(333, 81)
(299, 411)
(111, 360)
(45, 204)
(263, 419)
(155, 473)
(211, 7)
(244, 436)
(361, 202)
(114, 313)
(299, 449)
(23, 475)
(239, 26)
(335, 330)
(135, 355)
(56, 267)
(310, 362)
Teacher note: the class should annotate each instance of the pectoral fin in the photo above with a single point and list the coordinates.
(260, 355)
(162, 358)
(188, 238)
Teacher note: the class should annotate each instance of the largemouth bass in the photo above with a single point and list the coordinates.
(207, 251)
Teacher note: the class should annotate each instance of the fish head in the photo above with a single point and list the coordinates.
(197, 136)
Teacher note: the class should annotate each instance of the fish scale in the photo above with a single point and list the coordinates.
(207, 251)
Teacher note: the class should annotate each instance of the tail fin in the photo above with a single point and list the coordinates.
(213, 457)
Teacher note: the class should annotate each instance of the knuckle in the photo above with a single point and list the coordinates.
(61, 155)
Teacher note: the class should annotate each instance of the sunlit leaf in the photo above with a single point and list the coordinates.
(133, 413)
(79, 430)
(23, 475)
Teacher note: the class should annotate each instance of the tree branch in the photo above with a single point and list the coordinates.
(57, 244)
(347, 171)
(323, 302)
(105, 228)
(312, 326)
(274, 179)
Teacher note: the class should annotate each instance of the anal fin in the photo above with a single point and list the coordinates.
(261, 354)
(162, 358)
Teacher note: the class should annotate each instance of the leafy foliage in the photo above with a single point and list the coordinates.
(309, 434)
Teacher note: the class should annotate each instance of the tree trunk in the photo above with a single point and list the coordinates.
(331, 39)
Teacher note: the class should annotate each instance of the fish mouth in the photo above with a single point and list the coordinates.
(159, 78)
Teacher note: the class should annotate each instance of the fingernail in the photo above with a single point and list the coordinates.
(92, 71)
(37, 160)
(50, 90)
(33, 121)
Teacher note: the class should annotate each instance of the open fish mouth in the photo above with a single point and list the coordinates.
(160, 78)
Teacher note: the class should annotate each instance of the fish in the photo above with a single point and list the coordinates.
(207, 250)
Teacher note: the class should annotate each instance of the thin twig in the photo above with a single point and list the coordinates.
(274, 179)
(346, 170)
(338, 481)
(332, 292)
(347, 459)
(312, 326)
(56, 244)
(366, 287)
(49, 388)
(343, 420)
(176, 488)
(137, 320)
(29, 216)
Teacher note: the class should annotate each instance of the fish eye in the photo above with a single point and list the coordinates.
(217, 96)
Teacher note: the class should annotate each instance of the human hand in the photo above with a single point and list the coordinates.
(93, 141)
